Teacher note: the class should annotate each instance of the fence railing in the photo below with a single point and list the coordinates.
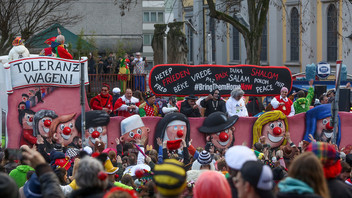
(135, 82)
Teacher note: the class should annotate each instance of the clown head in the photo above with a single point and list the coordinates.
(173, 128)
(63, 129)
(25, 118)
(219, 129)
(96, 127)
(133, 128)
(273, 126)
(318, 124)
(42, 123)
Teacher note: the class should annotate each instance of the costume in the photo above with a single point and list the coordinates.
(124, 73)
(235, 107)
(18, 50)
(146, 109)
(287, 109)
(212, 106)
(27, 137)
(60, 51)
(101, 101)
(122, 104)
(302, 104)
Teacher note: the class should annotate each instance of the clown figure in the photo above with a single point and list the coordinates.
(42, 123)
(96, 127)
(272, 125)
(133, 128)
(63, 129)
(318, 125)
(173, 128)
(219, 129)
(25, 118)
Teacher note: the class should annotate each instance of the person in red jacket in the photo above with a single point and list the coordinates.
(102, 101)
(127, 105)
(58, 48)
(283, 103)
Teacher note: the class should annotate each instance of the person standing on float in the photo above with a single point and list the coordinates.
(283, 103)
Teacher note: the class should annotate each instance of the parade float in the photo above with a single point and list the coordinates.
(41, 95)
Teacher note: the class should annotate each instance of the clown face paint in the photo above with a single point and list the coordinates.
(27, 121)
(44, 126)
(223, 139)
(324, 131)
(65, 132)
(99, 132)
(134, 134)
(274, 133)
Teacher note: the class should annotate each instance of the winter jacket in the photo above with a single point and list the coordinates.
(50, 185)
(291, 187)
(339, 189)
(17, 52)
(19, 174)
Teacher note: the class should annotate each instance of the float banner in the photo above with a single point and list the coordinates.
(44, 71)
(183, 80)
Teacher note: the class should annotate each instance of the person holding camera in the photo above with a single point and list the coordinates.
(139, 72)
(170, 106)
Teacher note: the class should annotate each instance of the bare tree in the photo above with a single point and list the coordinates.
(125, 5)
(257, 13)
(28, 17)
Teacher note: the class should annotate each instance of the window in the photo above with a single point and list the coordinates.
(190, 42)
(332, 34)
(235, 44)
(153, 17)
(264, 51)
(147, 39)
(294, 35)
(212, 30)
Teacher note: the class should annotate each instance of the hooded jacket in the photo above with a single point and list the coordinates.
(291, 187)
(20, 174)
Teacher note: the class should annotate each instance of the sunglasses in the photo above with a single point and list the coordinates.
(104, 89)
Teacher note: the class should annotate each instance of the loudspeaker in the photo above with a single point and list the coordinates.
(344, 100)
(318, 91)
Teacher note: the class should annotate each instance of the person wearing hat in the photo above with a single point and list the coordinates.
(236, 104)
(18, 50)
(169, 178)
(189, 107)
(283, 103)
(302, 104)
(235, 157)
(47, 51)
(148, 108)
(203, 162)
(115, 95)
(58, 47)
(110, 170)
(213, 103)
(102, 101)
(254, 180)
(219, 129)
(331, 162)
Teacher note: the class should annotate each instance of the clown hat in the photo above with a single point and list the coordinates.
(109, 168)
(49, 40)
(18, 41)
(131, 123)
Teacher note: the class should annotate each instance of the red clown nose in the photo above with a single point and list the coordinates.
(223, 137)
(95, 134)
(47, 123)
(31, 119)
(67, 130)
(137, 136)
(277, 131)
(328, 126)
(179, 133)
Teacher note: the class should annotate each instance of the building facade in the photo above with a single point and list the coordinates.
(297, 33)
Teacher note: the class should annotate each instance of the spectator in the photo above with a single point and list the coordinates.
(169, 178)
(324, 99)
(236, 104)
(76, 143)
(203, 162)
(254, 106)
(254, 180)
(302, 104)
(139, 95)
(305, 179)
(102, 101)
(211, 184)
(331, 95)
(213, 103)
(100, 65)
(20, 174)
(115, 96)
(127, 105)
(8, 187)
(189, 107)
(235, 157)
(283, 103)
(331, 162)
(139, 73)
(91, 64)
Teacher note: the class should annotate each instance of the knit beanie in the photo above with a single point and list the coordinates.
(204, 157)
